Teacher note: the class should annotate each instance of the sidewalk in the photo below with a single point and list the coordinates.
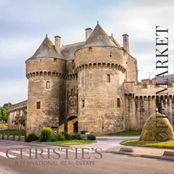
(146, 152)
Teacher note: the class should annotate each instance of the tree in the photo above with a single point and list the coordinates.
(4, 112)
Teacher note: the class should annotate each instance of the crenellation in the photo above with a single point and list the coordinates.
(104, 65)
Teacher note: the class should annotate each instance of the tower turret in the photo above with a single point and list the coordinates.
(101, 67)
(45, 71)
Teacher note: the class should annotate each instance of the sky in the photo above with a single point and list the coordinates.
(24, 24)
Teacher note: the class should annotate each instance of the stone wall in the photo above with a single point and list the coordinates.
(71, 90)
(140, 102)
(101, 73)
(71, 97)
(131, 70)
(46, 93)
(17, 115)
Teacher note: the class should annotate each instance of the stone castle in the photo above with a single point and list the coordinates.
(87, 86)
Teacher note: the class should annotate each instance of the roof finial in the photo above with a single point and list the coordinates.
(97, 21)
(46, 36)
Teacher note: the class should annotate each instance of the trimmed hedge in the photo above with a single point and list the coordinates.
(157, 128)
(66, 135)
(61, 137)
(91, 137)
(53, 137)
(31, 137)
(76, 137)
(13, 132)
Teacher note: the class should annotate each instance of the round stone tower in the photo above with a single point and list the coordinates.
(45, 72)
(101, 67)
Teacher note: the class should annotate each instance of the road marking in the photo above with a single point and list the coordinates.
(3, 154)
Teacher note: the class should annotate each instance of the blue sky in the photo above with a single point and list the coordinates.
(23, 25)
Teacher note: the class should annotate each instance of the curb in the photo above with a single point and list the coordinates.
(162, 147)
(60, 145)
(167, 158)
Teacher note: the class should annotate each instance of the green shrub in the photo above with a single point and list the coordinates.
(46, 134)
(76, 137)
(91, 137)
(61, 137)
(157, 128)
(53, 138)
(13, 132)
(67, 136)
(31, 137)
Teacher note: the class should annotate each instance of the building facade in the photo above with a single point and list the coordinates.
(89, 86)
(17, 116)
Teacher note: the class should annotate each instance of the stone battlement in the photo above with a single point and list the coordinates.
(18, 106)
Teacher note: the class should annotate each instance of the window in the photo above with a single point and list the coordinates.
(47, 84)
(83, 103)
(118, 103)
(110, 54)
(108, 78)
(38, 105)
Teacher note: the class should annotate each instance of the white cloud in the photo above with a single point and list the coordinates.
(18, 47)
(138, 19)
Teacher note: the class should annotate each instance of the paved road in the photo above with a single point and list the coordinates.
(108, 142)
(108, 164)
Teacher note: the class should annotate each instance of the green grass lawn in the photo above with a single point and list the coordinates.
(13, 132)
(126, 133)
(71, 142)
(158, 144)
(3, 125)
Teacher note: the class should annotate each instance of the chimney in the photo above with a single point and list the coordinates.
(126, 42)
(57, 42)
(88, 32)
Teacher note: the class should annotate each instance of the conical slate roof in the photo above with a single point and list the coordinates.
(113, 39)
(99, 38)
(47, 49)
